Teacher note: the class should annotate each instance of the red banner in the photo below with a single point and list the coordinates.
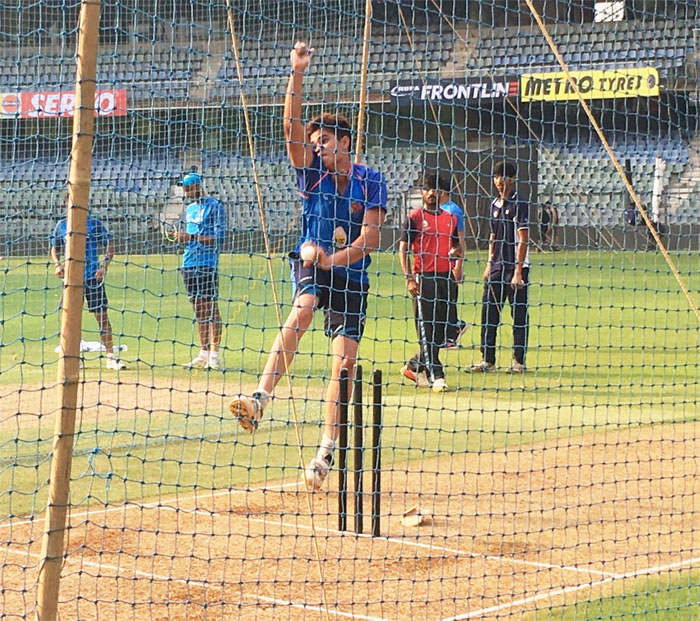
(59, 104)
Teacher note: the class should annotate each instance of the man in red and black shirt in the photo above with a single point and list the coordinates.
(431, 237)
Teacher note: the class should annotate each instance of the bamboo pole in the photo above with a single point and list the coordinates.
(68, 374)
(363, 81)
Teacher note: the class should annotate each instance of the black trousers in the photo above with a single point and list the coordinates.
(431, 322)
(496, 291)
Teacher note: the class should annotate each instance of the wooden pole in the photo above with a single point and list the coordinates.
(363, 81)
(68, 374)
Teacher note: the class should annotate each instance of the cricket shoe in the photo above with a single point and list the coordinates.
(248, 411)
(517, 367)
(214, 364)
(439, 385)
(200, 362)
(454, 343)
(483, 367)
(316, 472)
(419, 377)
(115, 364)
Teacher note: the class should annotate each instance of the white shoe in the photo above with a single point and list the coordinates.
(419, 377)
(214, 364)
(200, 362)
(115, 364)
(316, 472)
(439, 385)
(517, 368)
(248, 411)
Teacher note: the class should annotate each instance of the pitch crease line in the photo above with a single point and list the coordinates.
(572, 589)
(338, 613)
(159, 504)
(416, 544)
(154, 504)
(119, 571)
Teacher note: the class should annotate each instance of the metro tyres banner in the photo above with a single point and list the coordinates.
(592, 84)
(58, 104)
(457, 90)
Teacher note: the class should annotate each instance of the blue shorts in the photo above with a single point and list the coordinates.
(95, 295)
(343, 300)
(201, 282)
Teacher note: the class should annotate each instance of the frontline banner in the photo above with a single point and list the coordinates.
(55, 104)
(453, 90)
(592, 84)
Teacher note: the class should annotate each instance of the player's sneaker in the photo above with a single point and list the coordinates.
(419, 377)
(248, 411)
(316, 472)
(200, 362)
(115, 364)
(214, 364)
(439, 385)
(482, 367)
(454, 343)
(517, 367)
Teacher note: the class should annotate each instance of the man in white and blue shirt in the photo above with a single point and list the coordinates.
(203, 235)
(343, 208)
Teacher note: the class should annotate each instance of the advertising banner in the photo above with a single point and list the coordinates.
(58, 104)
(457, 90)
(592, 84)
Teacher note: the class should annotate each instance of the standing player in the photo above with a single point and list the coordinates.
(431, 236)
(343, 208)
(455, 326)
(507, 271)
(93, 277)
(205, 228)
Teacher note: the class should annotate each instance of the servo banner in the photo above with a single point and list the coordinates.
(592, 84)
(452, 90)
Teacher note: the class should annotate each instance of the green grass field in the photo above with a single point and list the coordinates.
(613, 342)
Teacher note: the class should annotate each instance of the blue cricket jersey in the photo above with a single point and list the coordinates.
(454, 209)
(97, 235)
(206, 216)
(334, 221)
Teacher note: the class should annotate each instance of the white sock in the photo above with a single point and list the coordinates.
(262, 395)
(327, 446)
(204, 354)
(112, 356)
(213, 355)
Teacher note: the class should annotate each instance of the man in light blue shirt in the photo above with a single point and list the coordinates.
(455, 326)
(93, 277)
(205, 230)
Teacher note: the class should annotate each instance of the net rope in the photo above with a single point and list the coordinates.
(564, 491)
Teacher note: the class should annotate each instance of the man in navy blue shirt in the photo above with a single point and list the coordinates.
(93, 277)
(343, 208)
(507, 271)
(205, 229)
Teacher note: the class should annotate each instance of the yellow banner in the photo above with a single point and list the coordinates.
(592, 84)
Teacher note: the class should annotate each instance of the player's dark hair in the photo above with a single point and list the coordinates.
(337, 123)
(431, 181)
(504, 169)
